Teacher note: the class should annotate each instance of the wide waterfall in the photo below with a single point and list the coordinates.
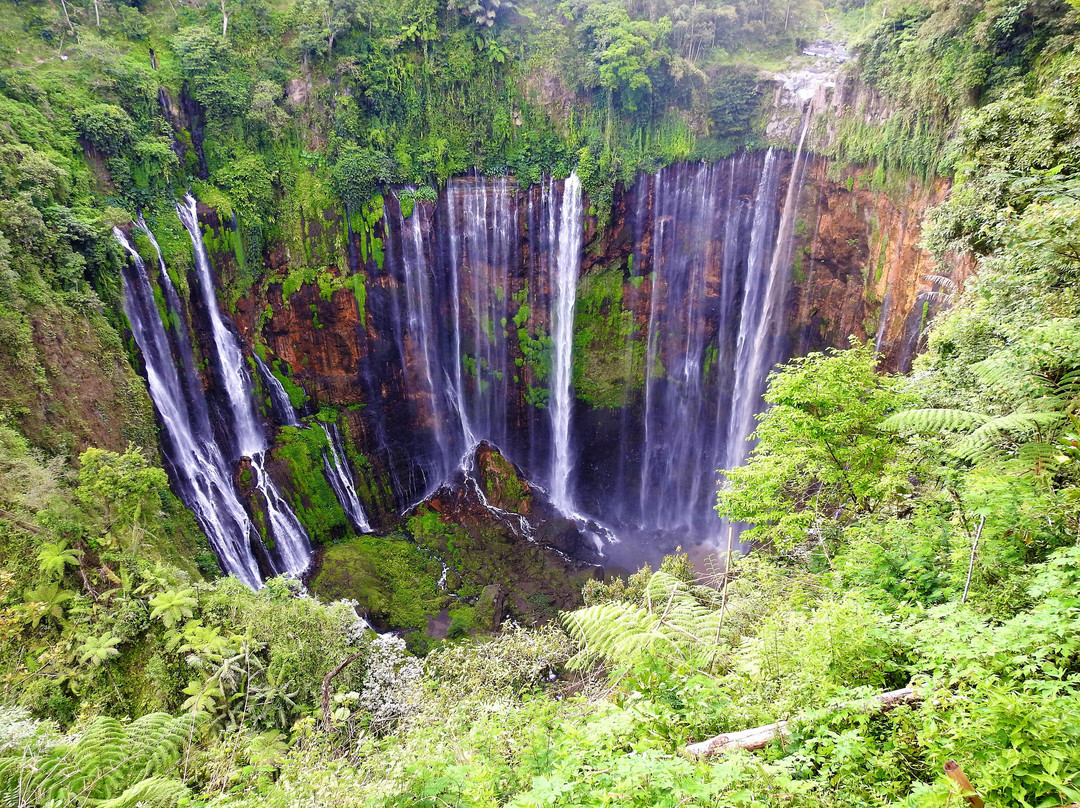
(484, 322)
(482, 301)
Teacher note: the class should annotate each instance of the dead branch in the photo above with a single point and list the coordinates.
(21, 523)
(956, 774)
(326, 686)
(759, 737)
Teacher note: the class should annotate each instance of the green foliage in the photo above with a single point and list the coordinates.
(121, 487)
(391, 580)
(107, 126)
(674, 625)
(172, 606)
(608, 351)
(819, 455)
(54, 558)
(312, 498)
(108, 763)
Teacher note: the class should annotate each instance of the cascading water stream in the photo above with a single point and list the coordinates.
(279, 399)
(567, 267)
(339, 475)
(758, 345)
(291, 544)
(196, 461)
(336, 468)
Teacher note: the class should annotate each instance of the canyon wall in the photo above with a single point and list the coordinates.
(430, 325)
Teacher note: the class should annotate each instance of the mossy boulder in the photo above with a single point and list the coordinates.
(490, 545)
(395, 584)
(503, 484)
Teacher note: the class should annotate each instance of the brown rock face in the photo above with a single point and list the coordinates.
(321, 339)
(859, 270)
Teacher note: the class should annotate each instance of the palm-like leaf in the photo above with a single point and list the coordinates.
(98, 650)
(173, 605)
(55, 557)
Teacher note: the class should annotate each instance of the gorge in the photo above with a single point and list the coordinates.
(618, 367)
(515, 403)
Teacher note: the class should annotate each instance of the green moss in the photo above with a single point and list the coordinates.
(282, 373)
(297, 278)
(503, 486)
(609, 355)
(358, 284)
(308, 492)
(390, 578)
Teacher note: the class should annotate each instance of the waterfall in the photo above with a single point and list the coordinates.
(291, 545)
(567, 267)
(470, 337)
(339, 475)
(759, 347)
(196, 462)
(279, 399)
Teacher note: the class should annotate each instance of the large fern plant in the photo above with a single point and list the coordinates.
(1045, 396)
(109, 765)
(677, 621)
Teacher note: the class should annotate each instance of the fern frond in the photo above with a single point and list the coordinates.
(1041, 457)
(941, 298)
(1069, 386)
(985, 440)
(930, 421)
(155, 743)
(107, 760)
(674, 623)
(942, 280)
(153, 792)
(608, 631)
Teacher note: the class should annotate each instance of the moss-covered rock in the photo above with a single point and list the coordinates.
(316, 506)
(502, 482)
(394, 583)
(609, 350)
(488, 548)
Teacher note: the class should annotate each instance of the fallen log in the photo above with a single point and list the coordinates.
(759, 737)
(20, 523)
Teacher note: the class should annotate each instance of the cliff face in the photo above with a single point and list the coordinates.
(430, 324)
(859, 270)
(66, 381)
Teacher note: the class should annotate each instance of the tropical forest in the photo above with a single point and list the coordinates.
(475, 403)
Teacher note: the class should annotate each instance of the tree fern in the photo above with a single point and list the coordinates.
(986, 437)
(108, 764)
(673, 623)
(153, 792)
(930, 421)
(985, 441)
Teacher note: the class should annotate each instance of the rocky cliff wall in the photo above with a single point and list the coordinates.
(413, 292)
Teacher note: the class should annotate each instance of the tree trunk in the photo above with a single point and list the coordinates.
(956, 774)
(71, 27)
(759, 737)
